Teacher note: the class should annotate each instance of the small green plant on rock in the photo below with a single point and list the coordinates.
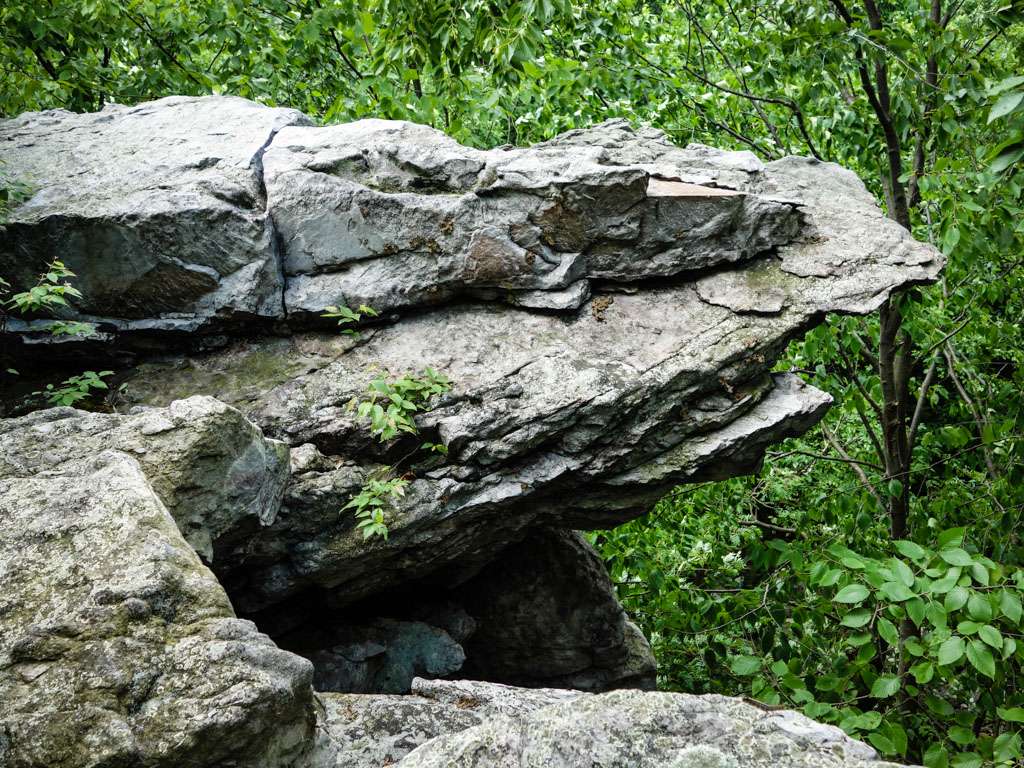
(51, 293)
(75, 389)
(390, 407)
(346, 316)
(372, 502)
(392, 403)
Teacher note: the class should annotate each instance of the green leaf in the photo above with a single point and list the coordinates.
(1010, 605)
(946, 583)
(978, 607)
(1007, 157)
(896, 591)
(951, 650)
(956, 599)
(968, 627)
(887, 631)
(935, 614)
(902, 572)
(981, 658)
(967, 760)
(952, 537)
(851, 593)
(991, 636)
(856, 618)
(830, 578)
(923, 672)
(936, 756)
(940, 707)
(1009, 647)
(1011, 714)
(910, 549)
(1006, 747)
(885, 686)
(956, 556)
(960, 735)
(882, 743)
(745, 665)
(915, 610)
(1005, 104)
(1004, 85)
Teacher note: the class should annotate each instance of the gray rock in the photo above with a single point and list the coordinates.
(609, 308)
(158, 209)
(489, 700)
(581, 419)
(449, 724)
(213, 469)
(393, 214)
(546, 614)
(632, 729)
(118, 647)
(368, 731)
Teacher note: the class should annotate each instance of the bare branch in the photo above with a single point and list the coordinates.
(856, 468)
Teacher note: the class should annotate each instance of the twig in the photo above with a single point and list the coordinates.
(855, 466)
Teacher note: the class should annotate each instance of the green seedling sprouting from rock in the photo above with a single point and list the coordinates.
(50, 294)
(392, 403)
(75, 389)
(373, 501)
(346, 316)
(390, 408)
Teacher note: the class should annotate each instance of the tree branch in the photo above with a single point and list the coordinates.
(856, 468)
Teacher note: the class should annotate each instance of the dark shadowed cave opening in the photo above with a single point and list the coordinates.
(542, 613)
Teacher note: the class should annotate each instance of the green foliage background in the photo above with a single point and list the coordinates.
(787, 586)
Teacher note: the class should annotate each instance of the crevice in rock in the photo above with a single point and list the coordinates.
(540, 613)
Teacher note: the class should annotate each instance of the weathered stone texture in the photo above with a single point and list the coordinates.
(159, 209)
(212, 468)
(118, 647)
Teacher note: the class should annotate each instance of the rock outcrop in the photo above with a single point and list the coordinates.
(467, 724)
(609, 309)
(216, 473)
(117, 646)
(545, 614)
(159, 209)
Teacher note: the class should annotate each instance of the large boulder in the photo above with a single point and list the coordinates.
(609, 308)
(456, 724)
(118, 646)
(393, 214)
(159, 209)
(368, 731)
(202, 214)
(216, 473)
(634, 729)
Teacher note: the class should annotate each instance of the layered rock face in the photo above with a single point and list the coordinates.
(608, 308)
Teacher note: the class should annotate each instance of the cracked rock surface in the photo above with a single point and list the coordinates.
(159, 209)
(609, 308)
(216, 473)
